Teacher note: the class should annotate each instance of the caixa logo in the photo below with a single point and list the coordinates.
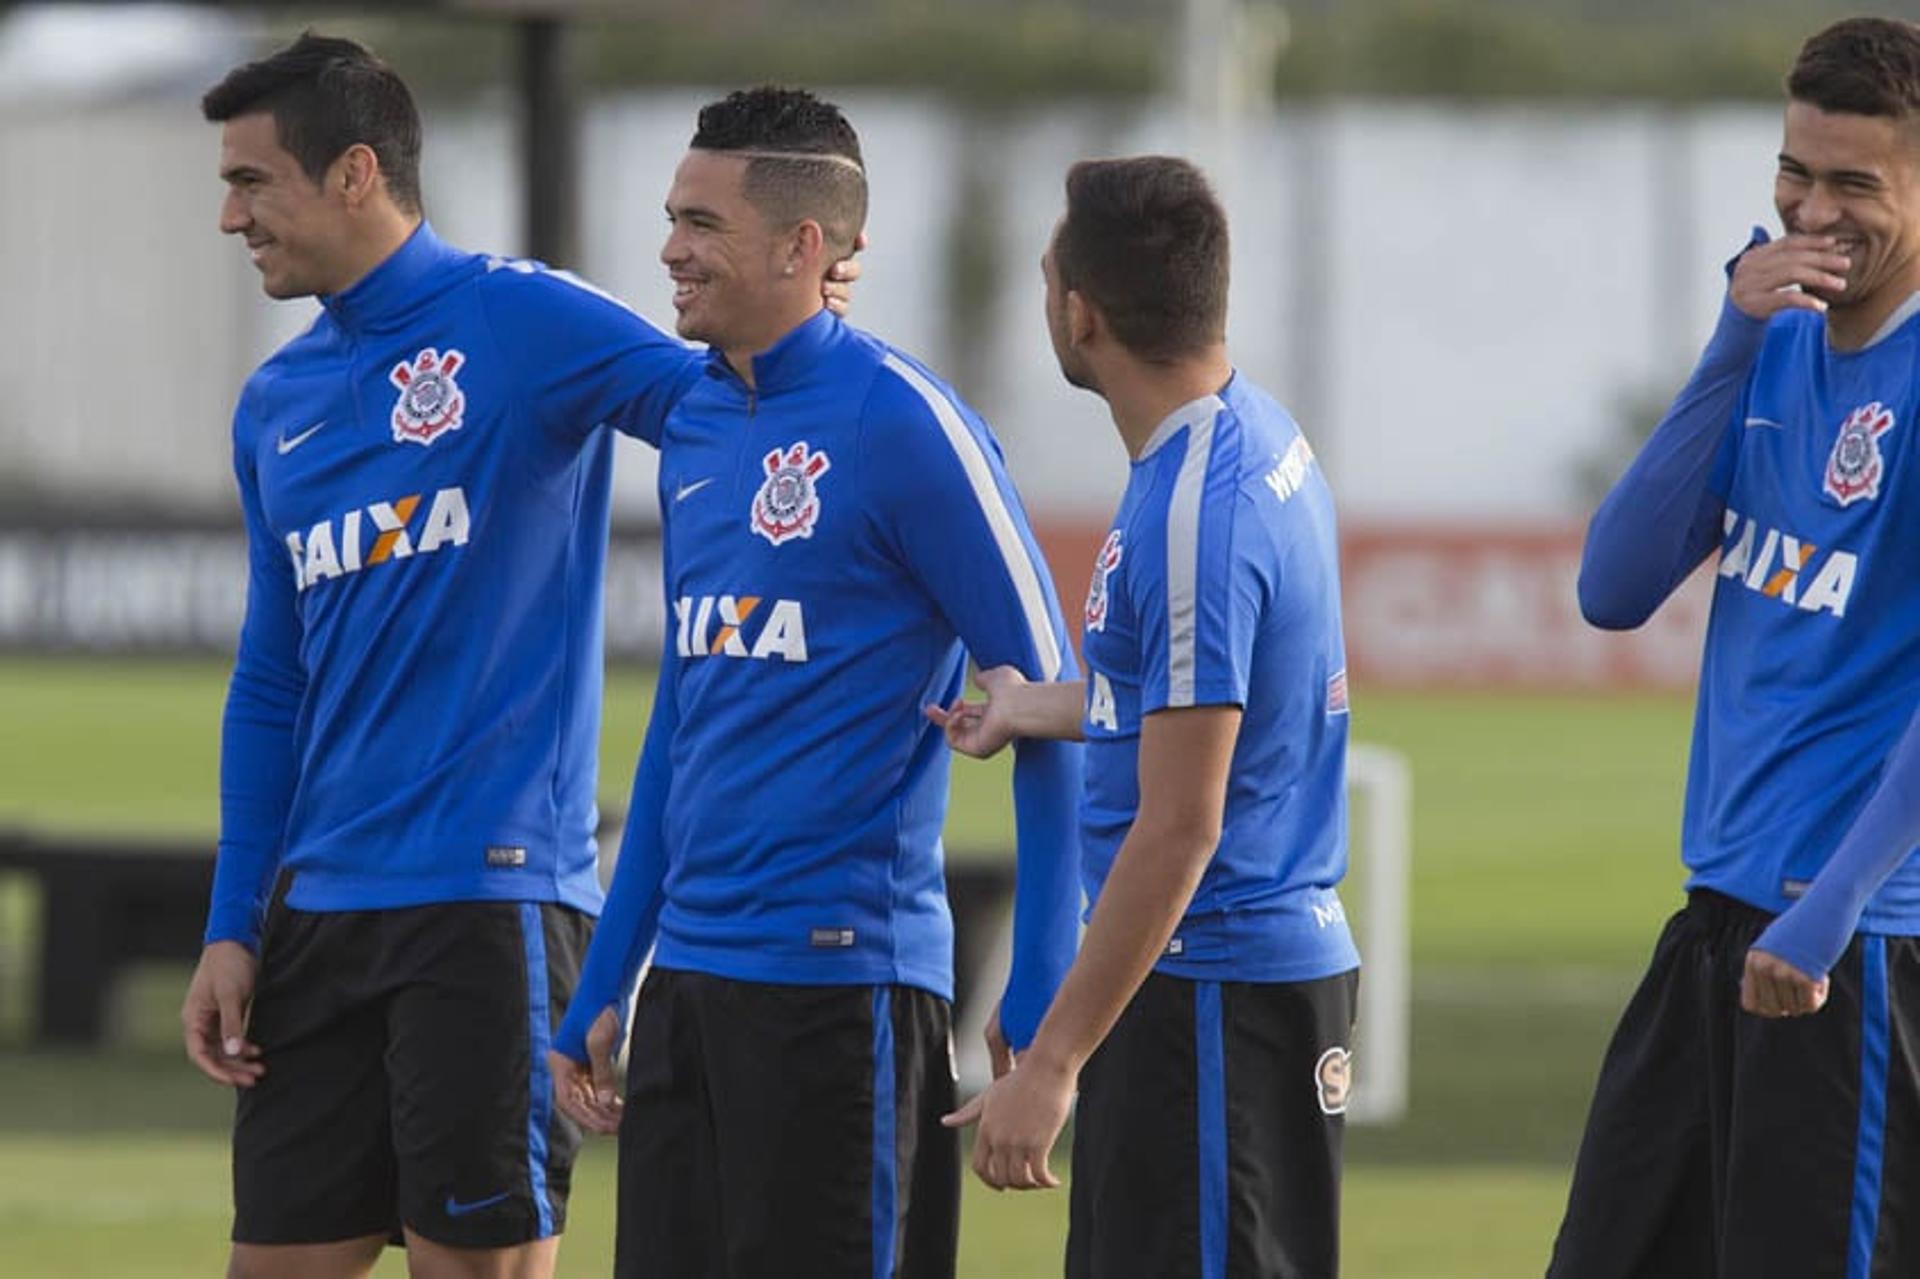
(718, 626)
(376, 534)
(1782, 567)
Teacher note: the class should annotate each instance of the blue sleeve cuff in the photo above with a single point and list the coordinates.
(1814, 932)
(1811, 945)
(233, 926)
(1047, 898)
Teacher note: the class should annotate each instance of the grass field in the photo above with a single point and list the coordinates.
(1544, 854)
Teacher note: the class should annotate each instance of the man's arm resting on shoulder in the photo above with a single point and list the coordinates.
(1664, 515)
(587, 358)
(1185, 757)
(1788, 966)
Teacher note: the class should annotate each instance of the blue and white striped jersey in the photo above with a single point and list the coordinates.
(838, 538)
(1219, 585)
(425, 475)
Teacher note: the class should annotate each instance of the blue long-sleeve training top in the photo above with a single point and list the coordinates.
(1796, 461)
(838, 537)
(414, 710)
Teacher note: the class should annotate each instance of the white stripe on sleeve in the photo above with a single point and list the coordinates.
(1006, 536)
(1183, 552)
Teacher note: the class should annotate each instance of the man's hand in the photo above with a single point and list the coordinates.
(1020, 1117)
(590, 1093)
(980, 729)
(1765, 278)
(213, 1018)
(1771, 987)
(837, 290)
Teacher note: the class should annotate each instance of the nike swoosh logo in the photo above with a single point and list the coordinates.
(457, 1209)
(286, 445)
(686, 491)
(1765, 421)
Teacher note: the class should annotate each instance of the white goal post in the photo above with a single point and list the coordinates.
(1380, 795)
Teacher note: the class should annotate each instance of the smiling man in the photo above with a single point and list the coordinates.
(840, 534)
(1758, 1114)
(410, 732)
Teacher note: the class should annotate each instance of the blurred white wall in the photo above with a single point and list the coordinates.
(1455, 301)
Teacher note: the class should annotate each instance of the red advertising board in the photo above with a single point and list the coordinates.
(1445, 606)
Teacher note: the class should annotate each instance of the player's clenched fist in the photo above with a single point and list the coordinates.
(1801, 271)
(1772, 987)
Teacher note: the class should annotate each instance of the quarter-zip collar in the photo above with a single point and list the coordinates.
(788, 361)
(394, 289)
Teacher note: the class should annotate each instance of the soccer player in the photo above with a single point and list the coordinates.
(1208, 1017)
(411, 728)
(840, 533)
(1758, 1113)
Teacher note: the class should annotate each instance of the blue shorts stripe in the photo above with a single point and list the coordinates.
(886, 1193)
(539, 1081)
(1869, 1161)
(1211, 1066)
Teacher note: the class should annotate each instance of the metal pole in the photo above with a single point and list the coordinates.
(1310, 345)
(549, 140)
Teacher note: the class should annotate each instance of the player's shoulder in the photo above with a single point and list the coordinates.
(1263, 447)
(1253, 419)
(527, 292)
(1796, 358)
(1217, 440)
(915, 403)
(304, 354)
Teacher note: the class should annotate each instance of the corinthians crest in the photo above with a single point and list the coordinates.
(1855, 465)
(1333, 1080)
(1103, 566)
(788, 503)
(430, 400)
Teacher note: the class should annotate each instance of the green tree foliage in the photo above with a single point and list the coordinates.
(1004, 52)
(1479, 49)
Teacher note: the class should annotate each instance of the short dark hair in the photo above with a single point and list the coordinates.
(803, 158)
(1860, 66)
(1145, 241)
(327, 94)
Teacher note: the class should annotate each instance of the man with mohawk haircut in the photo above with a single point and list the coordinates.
(840, 534)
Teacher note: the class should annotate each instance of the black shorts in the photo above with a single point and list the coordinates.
(1208, 1136)
(787, 1131)
(407, 1081)
(1727, 1146)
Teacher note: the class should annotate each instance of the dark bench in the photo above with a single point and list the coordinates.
(107, 903)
